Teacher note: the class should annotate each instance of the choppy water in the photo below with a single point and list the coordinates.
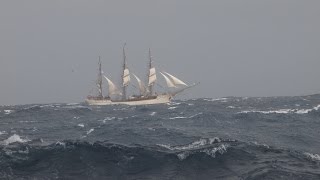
(227, 138)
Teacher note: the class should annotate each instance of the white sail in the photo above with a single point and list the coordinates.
(152, 76)
(126, 77)
(168, 81)
(112, 88)
(141, 86)
(175, 80)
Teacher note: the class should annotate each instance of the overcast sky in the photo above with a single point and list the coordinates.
(49, 48)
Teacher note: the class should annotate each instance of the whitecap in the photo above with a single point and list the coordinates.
(90, 131)
(317, 107)
(313, 157)
(107, 119)
(304, 111)
(151, 129)
(231, 107)
(284, 111)
(8, 111)
(173, 103)
(72, 104)
(194, 145)
(280, 111)
(77, 107)
(14, 138)
(153, 113)
(217, 99)
(47, 105)
(195, 115)
(2, 132)
(81, 125)
(61, 144)
(27, 121)
(76, 117)
(183, 117)
(211, 152)
(258, 144)
(173, 107)
(178, 117)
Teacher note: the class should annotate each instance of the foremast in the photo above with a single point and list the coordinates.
(99, 80)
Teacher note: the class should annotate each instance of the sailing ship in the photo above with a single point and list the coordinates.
(147, 94)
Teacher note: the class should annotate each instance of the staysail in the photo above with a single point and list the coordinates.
(175, 80)
(112, 88)
(168, 81)
(141, 85)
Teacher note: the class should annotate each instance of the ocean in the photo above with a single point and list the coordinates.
(225, 138)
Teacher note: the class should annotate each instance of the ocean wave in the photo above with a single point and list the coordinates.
(178, 117)
(200, 146)
(90, 131)
(210, 152)
(224, 100)
(283, 111)
(313, 157)
(81, 125)
(172, 103)
(153, 113)
(72, 107)
(213, 156)
(194, 145)
(186, 117)
(280, 111)
(8, 111)
(107, 119)
(12, 139)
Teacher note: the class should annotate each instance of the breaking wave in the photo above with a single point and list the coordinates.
(12, 139)
(283, 111)
(207, 157)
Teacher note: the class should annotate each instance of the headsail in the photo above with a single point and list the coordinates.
(175, 80)
(112, 88)
(141, 85)
(168, 81)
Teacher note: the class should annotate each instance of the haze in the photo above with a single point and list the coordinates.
(49, 49)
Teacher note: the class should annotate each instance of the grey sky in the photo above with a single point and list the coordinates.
(49, 49)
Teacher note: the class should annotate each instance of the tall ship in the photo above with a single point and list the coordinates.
(147, 95)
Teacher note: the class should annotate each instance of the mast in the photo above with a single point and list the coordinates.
(99, 80)
(124, 86)
(150, 86)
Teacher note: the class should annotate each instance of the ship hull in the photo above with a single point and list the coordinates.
(160, 99)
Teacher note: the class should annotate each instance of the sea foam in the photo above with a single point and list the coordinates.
(14, 138)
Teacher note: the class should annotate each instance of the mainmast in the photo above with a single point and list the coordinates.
(99, 80)
(124, 84)
(152, 77)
